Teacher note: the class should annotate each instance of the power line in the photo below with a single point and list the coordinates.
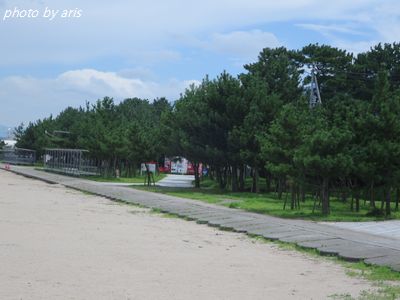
(363, 75)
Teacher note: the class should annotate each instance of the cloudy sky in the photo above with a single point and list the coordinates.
(156, 48)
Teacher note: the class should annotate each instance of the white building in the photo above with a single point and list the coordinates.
(179, 166)
(10, 144)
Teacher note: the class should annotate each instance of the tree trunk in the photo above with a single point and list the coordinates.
(220, 178)
(210, 173)
(280, 187)
(114, 167)
(268, 179)
(218, 175)
(225, 177)
(293, 196)
(148, 175)
(357, 202)
(234, 179)
(297, 196)
(397, 198)
(325, 196)
(241, 178)
(316, 197)
(255, 186)
(343, 197)
(303, 194)
(388, 211)
(196, 175)
(352, 203)
(372, 196)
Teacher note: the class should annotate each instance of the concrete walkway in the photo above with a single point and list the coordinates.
(116, 183)
(180, 181)
(389, 228)
(171, 180)
(346, 243)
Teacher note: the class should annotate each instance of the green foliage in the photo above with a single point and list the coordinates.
(282, 140)
(281, 70)
(117, 136)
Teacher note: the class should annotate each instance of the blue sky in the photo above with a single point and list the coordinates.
(155, 48)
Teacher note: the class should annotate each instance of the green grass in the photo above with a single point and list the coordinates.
(269, 204)
(354, 269)
(137, 179)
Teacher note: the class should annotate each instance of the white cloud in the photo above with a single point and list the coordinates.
(242, 44)
(32, 98)
(327, 30)
(334, 33)
(372, 21)
(238, 46)
(144, 30)
(354, 47)
(122, 34)
(138, 72)
(97, 82)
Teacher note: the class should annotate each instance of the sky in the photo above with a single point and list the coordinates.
(157, 48)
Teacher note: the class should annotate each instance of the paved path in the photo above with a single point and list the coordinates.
(116, 183)
(383, 228)
(348, 244)
(185, 181)
(171, 180)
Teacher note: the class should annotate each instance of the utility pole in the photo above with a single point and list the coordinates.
(315, 96)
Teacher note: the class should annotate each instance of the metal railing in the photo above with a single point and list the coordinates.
(74, 162)
(18, 156)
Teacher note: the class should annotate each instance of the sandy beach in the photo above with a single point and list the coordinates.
(58, 243)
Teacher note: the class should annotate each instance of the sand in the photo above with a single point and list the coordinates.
(58, 243)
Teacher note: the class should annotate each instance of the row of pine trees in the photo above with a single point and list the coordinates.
(260, 120)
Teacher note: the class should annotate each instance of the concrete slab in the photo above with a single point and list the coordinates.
(307, 237)
(315, 244)
(230, 221)
(171, 180)
(207, 213)
(388, 260)
(186, 212)
(384, 228)
(281, 235)
(362, 253)
(272, 229)
(253, 225)
(395, 267)
(214, 219)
